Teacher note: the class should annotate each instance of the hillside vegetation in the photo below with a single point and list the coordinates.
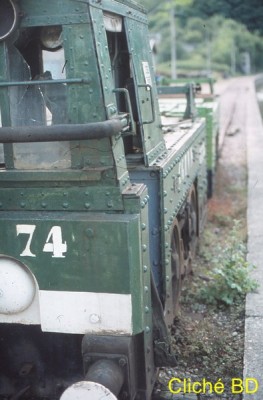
(215, 36)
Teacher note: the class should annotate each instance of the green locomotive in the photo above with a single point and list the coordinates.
(178, 100)
(100, 211)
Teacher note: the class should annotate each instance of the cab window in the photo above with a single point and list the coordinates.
(38, 55)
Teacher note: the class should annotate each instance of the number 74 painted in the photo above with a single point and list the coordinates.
(54, 243)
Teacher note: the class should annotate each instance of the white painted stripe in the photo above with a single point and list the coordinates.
(85, 312)
(30, 316)
(77, 312)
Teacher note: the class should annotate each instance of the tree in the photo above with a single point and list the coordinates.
(248, 12)
(206, 35)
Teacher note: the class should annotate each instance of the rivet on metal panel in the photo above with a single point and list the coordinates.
(65, 205)
(143, 227)
(94, 318)
(167, 278)
(145, 268)
(146, 289)
(167, 262)
(147, 329)
(144, 247)
(22, 204)
(147, 310)
(155, 231)
(110, 204)
(89, 233)
(44, 205)
(165, 211)
(122, 362)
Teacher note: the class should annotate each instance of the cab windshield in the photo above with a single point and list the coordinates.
(37, 95)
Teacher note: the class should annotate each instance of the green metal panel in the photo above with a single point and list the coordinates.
(49, 12)
(4, 103)
(153, 143)
(181, 168)
(209, 110)
(206, 113)
(102, 51)
(122, 7)
(73, 198)
(102, 252)
(103, 59)
(101, 162)
(185, 163)
(141, 204)
(86, 104)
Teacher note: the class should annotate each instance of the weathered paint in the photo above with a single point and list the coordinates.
(85, 232)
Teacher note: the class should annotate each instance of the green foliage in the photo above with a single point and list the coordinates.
(230, 277)
(247, 12)
(208, 34)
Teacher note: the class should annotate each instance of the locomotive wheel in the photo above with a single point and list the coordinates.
(172, 301)
(176, 260)
(192, 226)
